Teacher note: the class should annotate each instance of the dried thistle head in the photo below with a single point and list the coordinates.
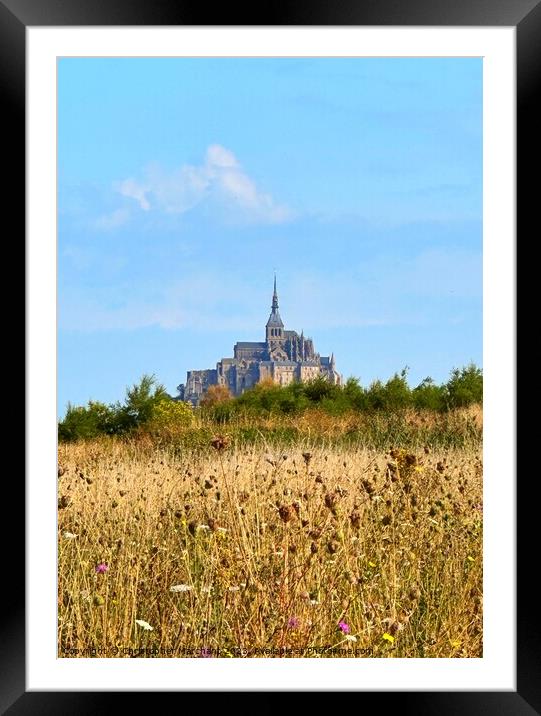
(367, 485)
(212, 524)
(219, 442)
(331, 502)
(307, 456)
(286, 513)
(410, 459)
(332, 547)
(64, 502)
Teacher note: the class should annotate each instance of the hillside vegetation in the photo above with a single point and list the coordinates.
(381, 415)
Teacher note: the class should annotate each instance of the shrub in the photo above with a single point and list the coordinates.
(465, 387)
(169, 415)
(395, 394)
(215, 394)
(429, 396)
(84, 422)
(142, 398)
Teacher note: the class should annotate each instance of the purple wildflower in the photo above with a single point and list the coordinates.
(102, 568)
(205, 653)
(293, 623)
(344, 628)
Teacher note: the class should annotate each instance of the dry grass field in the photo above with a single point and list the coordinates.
(297, 551)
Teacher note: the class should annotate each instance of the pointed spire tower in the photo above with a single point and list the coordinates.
(275, 325)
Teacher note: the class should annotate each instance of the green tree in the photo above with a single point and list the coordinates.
(84, 422)
(142, 398)
(429, 396)
(395, 394)
(465, 386)
(319, 388)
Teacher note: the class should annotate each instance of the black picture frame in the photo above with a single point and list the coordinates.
(525, 15)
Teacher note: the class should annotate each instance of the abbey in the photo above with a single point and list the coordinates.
(283, 357)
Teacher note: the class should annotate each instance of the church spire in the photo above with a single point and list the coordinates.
(275, 326)
(274, 296)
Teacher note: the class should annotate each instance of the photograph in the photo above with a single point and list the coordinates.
(270, 357)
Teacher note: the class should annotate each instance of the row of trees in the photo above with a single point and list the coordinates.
(147, 404)
(464, 387)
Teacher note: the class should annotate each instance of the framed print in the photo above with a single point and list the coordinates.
(283, 500)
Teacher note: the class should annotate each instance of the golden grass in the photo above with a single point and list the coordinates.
(275, 548)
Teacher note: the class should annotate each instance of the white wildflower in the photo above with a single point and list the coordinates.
(181, 588)
(350, 637)
(145, 625)
(69, 535)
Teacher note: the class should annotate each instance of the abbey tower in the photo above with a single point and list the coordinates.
(284, 356)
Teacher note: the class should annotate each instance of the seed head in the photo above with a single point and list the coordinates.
(219, 442)
(286, 513)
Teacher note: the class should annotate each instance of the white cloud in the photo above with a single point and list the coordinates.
(133, 190)
(221, 157)
(113, 220)
(219, 178)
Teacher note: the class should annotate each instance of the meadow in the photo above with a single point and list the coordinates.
(299, 536)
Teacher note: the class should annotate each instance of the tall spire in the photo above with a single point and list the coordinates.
(274, 296)
(275, 322)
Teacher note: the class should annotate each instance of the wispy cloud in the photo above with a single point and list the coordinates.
(206, 300)
(116, 218)
(220, 178)
(375, 293)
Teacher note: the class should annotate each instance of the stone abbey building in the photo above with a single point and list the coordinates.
(284, 357)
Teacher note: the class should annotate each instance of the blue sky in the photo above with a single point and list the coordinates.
(184, 183)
